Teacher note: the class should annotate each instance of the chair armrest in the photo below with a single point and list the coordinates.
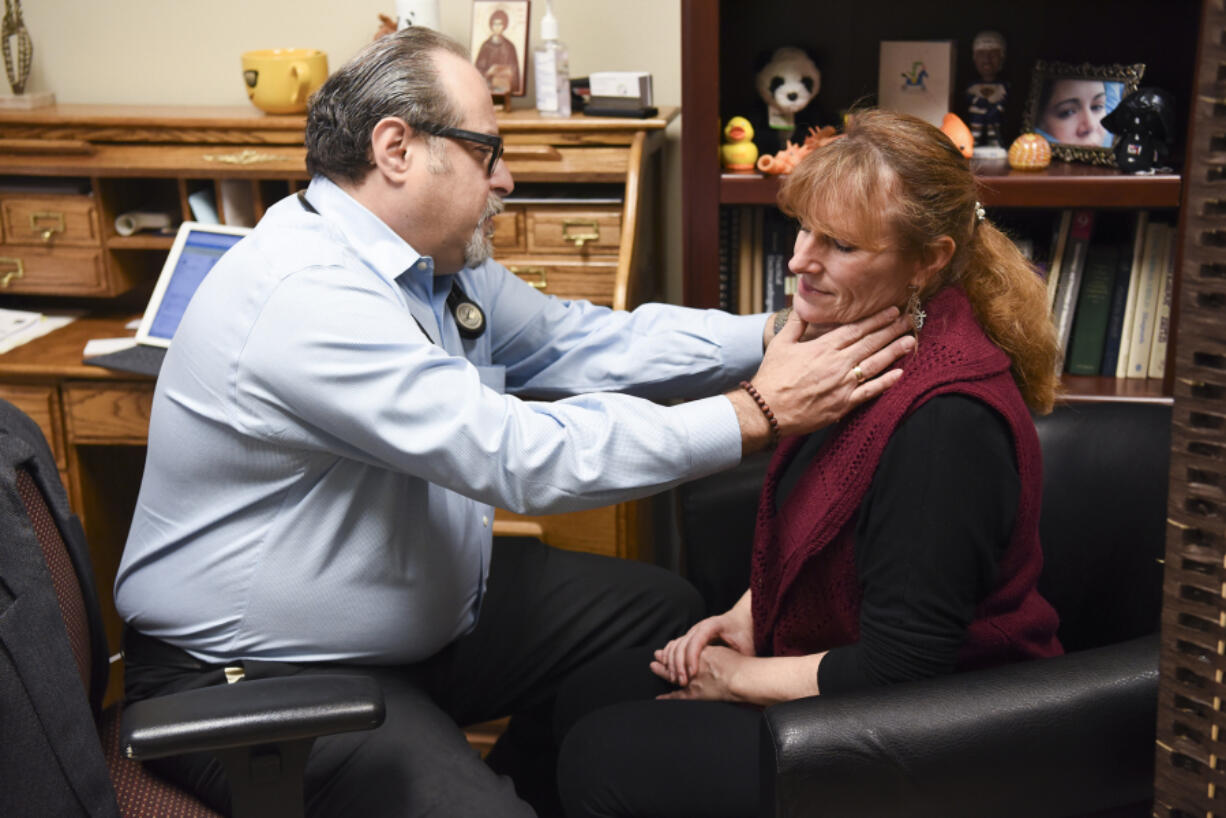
(253, 711)
(1048, 737)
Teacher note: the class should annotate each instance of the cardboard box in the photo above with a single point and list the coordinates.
(634, 85)
(917, 77)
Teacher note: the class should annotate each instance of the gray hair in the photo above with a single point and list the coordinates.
(395, 76)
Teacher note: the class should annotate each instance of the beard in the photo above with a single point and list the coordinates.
(480, 245)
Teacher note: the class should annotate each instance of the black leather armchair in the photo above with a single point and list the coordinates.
(61, 751)
(1068, 736)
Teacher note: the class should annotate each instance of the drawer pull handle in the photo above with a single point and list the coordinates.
(530, 271)
(47, 231)
(591, 232)
(12, 275)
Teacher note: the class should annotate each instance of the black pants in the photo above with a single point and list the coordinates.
(546, 614)
(624, 753)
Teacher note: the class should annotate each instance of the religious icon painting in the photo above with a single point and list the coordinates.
(499, 44)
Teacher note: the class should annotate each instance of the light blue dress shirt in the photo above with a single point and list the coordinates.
(321, 476)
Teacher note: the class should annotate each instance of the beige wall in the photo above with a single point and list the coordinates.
(179, 52)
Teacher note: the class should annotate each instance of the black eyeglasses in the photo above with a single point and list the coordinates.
(494, 143)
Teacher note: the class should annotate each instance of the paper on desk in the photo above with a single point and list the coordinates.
(105, 346)
(19, 326)
(16, 321)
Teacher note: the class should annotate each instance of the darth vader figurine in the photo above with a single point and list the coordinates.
(1145, 126)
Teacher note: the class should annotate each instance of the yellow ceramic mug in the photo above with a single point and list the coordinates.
(279, 80)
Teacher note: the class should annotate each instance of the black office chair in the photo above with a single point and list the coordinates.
(1068, 736)
(61, 754)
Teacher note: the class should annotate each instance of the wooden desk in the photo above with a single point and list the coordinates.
(581, 224)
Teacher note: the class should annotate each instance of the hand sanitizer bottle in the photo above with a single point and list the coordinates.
(551, 63)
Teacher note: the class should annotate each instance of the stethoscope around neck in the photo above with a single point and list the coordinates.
(469, 318)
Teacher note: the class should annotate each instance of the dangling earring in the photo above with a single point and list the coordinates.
(914, 309)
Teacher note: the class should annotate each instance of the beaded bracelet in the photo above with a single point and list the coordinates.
(766, 410)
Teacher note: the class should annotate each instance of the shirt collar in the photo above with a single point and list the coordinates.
(369, 236)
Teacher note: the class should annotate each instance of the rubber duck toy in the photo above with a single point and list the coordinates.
(740, 153)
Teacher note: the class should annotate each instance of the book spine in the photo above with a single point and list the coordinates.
(1134, 286)
(756, 260)
(725, 257)
(780, 238)
(1057, 256)
(1071, 270)
(1115, 315)
(744, 266)
(1162, 327)
(1089, 333)
(1149, 294)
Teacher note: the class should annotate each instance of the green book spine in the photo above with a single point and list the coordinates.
(1093, 311)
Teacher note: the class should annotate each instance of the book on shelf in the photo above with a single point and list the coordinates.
(744, 268)
(1162, 324)
(1137, 263)
(1149, 295)
(778, 239)
(1072, 265)
(1057, 253)
(1123, 299)
(729, 254)
(1089, 333)
(757, 261)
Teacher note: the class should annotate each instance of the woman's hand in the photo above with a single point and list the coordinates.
(678, 661)
(728, 676)
(717, 667)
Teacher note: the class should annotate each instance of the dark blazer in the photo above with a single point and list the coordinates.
(51, 760)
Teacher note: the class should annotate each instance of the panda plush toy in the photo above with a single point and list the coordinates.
(787, 84)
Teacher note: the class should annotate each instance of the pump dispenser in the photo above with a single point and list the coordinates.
(551, 63)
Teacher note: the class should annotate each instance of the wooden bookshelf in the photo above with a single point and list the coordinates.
(1054, 187)
(722, 43)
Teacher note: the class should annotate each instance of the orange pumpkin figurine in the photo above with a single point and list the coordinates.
(953, 127)
(1030, 151)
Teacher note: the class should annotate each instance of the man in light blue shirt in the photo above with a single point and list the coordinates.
(334, 425)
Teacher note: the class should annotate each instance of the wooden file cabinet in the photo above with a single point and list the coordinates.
(579, 225)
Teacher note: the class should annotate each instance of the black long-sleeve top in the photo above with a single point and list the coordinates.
(929, 537)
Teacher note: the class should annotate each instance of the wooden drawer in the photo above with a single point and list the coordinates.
(54, 221)
(582, 230)
(509, 231)
(52, 271)
(110, 414)
(42, 404)
(592, 280)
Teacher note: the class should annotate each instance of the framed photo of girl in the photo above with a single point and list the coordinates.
(499, 44)
(1068, 102)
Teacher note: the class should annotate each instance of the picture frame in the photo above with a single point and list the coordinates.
(1068, 101)
(499, 45)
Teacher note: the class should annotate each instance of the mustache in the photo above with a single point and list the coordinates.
(493, 206)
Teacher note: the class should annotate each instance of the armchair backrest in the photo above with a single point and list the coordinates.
(1103, 527)
(52, 651)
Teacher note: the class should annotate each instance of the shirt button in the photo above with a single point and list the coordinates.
(485, 520)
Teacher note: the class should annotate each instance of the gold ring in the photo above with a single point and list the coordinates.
(858, 374)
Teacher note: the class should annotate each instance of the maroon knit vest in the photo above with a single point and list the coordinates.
(806, 595)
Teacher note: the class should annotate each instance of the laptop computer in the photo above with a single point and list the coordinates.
(196, 248)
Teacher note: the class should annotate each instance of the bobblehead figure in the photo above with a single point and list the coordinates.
(985, 100)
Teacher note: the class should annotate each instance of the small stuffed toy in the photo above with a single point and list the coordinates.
(1146, 129)
(787, 84)
(785, 160)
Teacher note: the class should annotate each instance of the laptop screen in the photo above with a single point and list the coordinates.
(196, 249)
